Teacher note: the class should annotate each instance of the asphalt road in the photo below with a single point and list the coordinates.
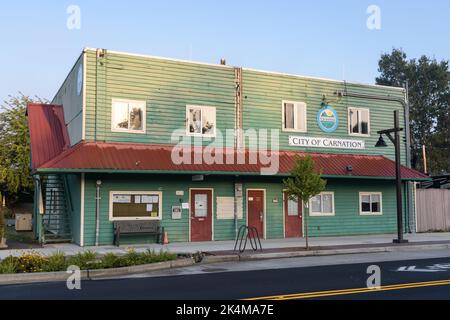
(404, 279)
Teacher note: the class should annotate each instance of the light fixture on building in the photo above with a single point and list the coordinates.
(381, 143)
(349, 168)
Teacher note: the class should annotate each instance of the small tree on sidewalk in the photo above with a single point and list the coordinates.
(304, 184)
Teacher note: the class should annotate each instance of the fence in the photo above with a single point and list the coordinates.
(433, 210)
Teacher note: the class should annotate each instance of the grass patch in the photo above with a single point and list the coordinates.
(33, 262)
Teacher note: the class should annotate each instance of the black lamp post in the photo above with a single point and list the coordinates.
(396, 141)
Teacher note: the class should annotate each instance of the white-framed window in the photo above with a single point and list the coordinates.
(201, 121)
(359, 121)
(322, 205)
(135, 205)
(128, 116)
(294, 116)
(371, 203)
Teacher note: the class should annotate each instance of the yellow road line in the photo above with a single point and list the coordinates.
(320, 294)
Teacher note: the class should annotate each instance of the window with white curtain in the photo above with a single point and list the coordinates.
(322, 204)
(294, 116)
(359, 121)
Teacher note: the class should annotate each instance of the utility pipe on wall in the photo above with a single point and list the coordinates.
(97, 213)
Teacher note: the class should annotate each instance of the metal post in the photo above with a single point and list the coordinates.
(398, 175)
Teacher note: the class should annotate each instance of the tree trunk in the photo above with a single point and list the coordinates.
(306, 215)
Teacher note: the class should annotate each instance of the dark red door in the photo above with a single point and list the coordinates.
(256, 211)
(201, 215)
(293, 218)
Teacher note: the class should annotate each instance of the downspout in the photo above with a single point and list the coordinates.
(97, 213)
(405, 104)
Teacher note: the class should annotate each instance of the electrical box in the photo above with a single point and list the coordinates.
(24, 222)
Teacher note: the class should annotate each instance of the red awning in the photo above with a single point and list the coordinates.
(124, 157)
(48, 132)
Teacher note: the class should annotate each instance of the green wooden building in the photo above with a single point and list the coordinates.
(108, 149)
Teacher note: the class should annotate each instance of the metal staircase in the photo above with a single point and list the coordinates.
(56, 222)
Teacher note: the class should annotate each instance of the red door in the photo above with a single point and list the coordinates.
(256, 207)
(201, 215)
(293, 217)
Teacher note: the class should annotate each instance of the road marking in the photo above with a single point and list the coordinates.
(414, 269)
(321, 294)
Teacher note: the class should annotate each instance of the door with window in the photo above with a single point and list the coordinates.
(201, 215)
(256, 208)
(293, 218)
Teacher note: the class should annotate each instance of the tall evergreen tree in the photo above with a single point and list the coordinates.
(429, 97)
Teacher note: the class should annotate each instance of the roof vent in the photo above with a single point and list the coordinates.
(223, 62)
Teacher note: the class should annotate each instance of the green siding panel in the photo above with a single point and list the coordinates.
(347, 220)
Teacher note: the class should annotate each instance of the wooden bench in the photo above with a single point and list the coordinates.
(137, 227)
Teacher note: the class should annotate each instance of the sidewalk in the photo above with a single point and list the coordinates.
(225, 248)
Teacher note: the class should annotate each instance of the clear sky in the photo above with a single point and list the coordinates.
(317, 38)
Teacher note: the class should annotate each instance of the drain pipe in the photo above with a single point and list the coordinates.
(405, 104)
(97, 213)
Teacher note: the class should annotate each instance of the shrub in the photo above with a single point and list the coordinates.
(56, 262)
(30, 262)
(111, 260)
(85, 260)
(8, 265)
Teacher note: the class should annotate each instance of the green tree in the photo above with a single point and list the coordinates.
(15, 174)
(304, 184)
(429, 97)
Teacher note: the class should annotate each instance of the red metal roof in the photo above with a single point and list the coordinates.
(158, 158)
(48, 132)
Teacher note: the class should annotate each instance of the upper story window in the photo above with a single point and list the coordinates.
(128, 116)
(359, 121)
(294, 116)
(322, 204)
(371, 203)
(201, 121)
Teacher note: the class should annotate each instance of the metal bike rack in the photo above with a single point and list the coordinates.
(251, 235)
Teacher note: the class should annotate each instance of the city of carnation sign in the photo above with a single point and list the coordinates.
(308, 142)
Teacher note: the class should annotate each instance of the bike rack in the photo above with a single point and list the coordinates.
(250, 234)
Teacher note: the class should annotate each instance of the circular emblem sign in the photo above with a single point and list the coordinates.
(328, 119)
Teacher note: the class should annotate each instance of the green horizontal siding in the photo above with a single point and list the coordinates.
(166, 86)
(178, 230)
(347, 220)
(264, 93)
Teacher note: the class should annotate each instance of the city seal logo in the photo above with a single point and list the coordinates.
(328, 119)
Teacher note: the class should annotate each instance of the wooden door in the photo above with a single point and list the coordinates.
(201, 215)
(256, 208)
(293, 218)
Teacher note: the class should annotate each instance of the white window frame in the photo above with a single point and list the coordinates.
(150, 193)
(296, 125)
(190, 134)
(349, 122)
(370, 194)
(142, 104)
(323, 214)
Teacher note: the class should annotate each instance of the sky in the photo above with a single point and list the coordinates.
(321, 38)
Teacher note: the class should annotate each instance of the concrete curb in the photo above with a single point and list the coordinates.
(315, 253)
(11, 279)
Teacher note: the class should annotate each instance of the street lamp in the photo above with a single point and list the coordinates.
(398, 174)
